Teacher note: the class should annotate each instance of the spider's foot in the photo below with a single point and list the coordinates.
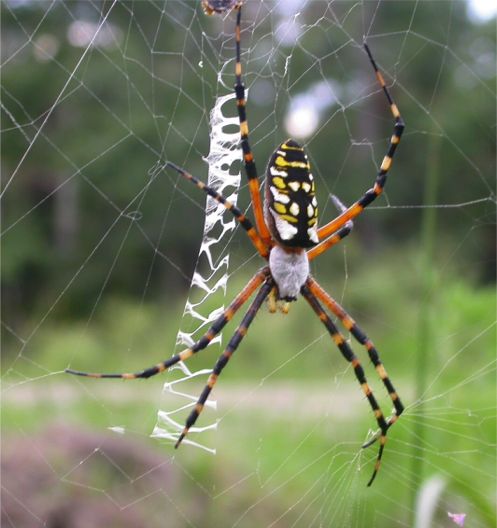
(98, 375)
(390, 421)
(372, 440)
(383, 440)
(180, 439)
(380, 435)
(84, 374)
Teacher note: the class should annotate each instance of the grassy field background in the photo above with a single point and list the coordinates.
(292, 418)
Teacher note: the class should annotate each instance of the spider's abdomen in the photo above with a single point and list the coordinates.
(290, 270)
(290, 199)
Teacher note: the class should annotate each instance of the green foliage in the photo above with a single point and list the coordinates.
(131, 105)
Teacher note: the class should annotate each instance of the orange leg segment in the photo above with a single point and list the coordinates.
(248, 157)
(370, 195)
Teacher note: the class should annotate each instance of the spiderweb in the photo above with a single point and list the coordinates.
(111, 263)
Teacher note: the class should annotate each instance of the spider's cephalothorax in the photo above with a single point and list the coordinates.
(285, 226)
(291, 209)
(219, 6)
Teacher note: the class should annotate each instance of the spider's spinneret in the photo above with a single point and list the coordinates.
(291, 209)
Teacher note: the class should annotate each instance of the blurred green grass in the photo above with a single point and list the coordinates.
(310, 443)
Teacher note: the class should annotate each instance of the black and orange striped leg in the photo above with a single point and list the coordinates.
(329, 242)
(371, 194)
(239, 334)
(202, 343)
(349, 355)
(336, 237)
(256, 240)
(248, 157)
(363, 339)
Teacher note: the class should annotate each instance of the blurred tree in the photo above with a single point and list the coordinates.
(82, 204)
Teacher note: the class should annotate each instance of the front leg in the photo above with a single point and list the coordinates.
(371, 194)
(248, 157)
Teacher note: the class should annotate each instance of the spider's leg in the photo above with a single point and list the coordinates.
(202, 343)
(336, 237)
(349, 355)
(330, 241)
(239, 216)
(371, 194)
(248, 157)
(363, 339)
(225, 356)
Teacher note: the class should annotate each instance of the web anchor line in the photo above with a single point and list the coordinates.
(210, 278)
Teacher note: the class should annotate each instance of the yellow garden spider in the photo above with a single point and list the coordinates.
(287, 236)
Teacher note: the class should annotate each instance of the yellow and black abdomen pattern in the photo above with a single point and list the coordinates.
(291, 208)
